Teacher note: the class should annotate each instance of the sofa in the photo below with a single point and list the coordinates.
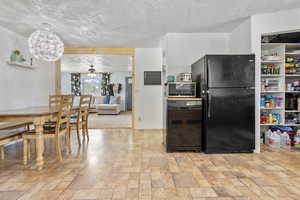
(100, 105)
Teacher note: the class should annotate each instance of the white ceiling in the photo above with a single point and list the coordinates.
(102, 63)
(130, 23)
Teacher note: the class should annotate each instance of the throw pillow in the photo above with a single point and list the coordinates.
(113, 100)
(106, 100)
(101, 99)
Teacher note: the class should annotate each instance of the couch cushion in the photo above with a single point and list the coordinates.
(107, 106)
(113, 100)
(99, 100)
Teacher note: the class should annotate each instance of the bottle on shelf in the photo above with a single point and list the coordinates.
(270, 69)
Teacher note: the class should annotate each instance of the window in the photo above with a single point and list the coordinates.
(91, 86)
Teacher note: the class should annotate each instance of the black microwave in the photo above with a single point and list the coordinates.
(181, 89)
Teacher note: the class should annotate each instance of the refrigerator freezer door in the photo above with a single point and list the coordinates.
(231, 71)
(229, 121)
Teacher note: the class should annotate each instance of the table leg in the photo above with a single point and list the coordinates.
(39, 127)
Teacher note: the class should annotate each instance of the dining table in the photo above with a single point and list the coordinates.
(38, 116)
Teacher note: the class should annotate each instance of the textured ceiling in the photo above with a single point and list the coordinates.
(102, 63)
(129, 23)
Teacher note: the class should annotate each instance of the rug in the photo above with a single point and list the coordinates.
(123, 120)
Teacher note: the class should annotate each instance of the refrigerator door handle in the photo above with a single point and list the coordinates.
(208, 105)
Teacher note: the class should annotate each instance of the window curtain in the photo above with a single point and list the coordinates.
(75, 84)
(105, 90)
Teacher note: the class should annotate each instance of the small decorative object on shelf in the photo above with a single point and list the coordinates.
(17, 59)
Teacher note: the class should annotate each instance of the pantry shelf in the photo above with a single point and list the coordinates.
(280, 74)
(272, 75)
(292, 54)
(292, 91)
(271, 124)
(272, 61)
(280, 108)
(291, 125)
(292, 75)
(272, 91)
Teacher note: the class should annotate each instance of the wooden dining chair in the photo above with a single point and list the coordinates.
(61, 128)
(55, 100)
(81, 120)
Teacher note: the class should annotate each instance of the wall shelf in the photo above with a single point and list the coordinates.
(24, 65)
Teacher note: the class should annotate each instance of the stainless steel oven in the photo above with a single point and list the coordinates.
(182, 89)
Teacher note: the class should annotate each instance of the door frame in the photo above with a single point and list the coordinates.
(102, 51)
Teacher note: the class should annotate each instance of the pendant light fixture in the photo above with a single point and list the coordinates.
(92, 72)
(45, 45)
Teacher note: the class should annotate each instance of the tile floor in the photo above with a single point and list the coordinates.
(121, 164)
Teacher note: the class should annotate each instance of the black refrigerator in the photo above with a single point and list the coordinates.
(226, 84)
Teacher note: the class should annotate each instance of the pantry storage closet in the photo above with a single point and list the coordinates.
(280, 94)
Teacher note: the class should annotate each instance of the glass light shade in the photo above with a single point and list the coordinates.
(45, 45)
(92, 75)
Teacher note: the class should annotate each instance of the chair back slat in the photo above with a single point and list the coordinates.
(55, 100)
(68, 98)
(64, 114)
(84, 106)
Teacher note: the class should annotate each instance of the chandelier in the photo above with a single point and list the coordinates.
(45, 44)
(92, 72)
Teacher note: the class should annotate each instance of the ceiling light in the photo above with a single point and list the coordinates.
(45, 44)
(92, 72)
